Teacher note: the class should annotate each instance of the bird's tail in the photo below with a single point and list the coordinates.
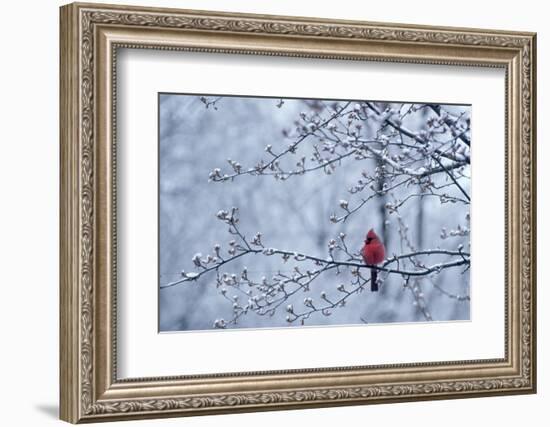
(373, 280)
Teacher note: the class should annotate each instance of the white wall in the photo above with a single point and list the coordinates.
(29, 170)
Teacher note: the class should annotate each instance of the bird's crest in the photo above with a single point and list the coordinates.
(371, 235)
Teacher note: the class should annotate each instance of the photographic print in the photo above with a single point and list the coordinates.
(310, 228)
(278, 212)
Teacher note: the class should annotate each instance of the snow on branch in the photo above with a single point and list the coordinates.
(326, 138)
(265, 295)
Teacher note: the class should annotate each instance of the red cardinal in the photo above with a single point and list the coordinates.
(373, 253)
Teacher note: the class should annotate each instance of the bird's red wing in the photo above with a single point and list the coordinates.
(374, 253)
(379, 254)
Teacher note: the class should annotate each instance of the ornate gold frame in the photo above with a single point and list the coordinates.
(90, 36)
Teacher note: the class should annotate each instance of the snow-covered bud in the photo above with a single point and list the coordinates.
(257, 239)
(222, 214)
(421, 171)
(197, 259)
(344, 204)
(215, 174)
(289, 308)
(217, 248)
(219, 323)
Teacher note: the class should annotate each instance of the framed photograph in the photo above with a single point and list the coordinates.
(267, 212)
